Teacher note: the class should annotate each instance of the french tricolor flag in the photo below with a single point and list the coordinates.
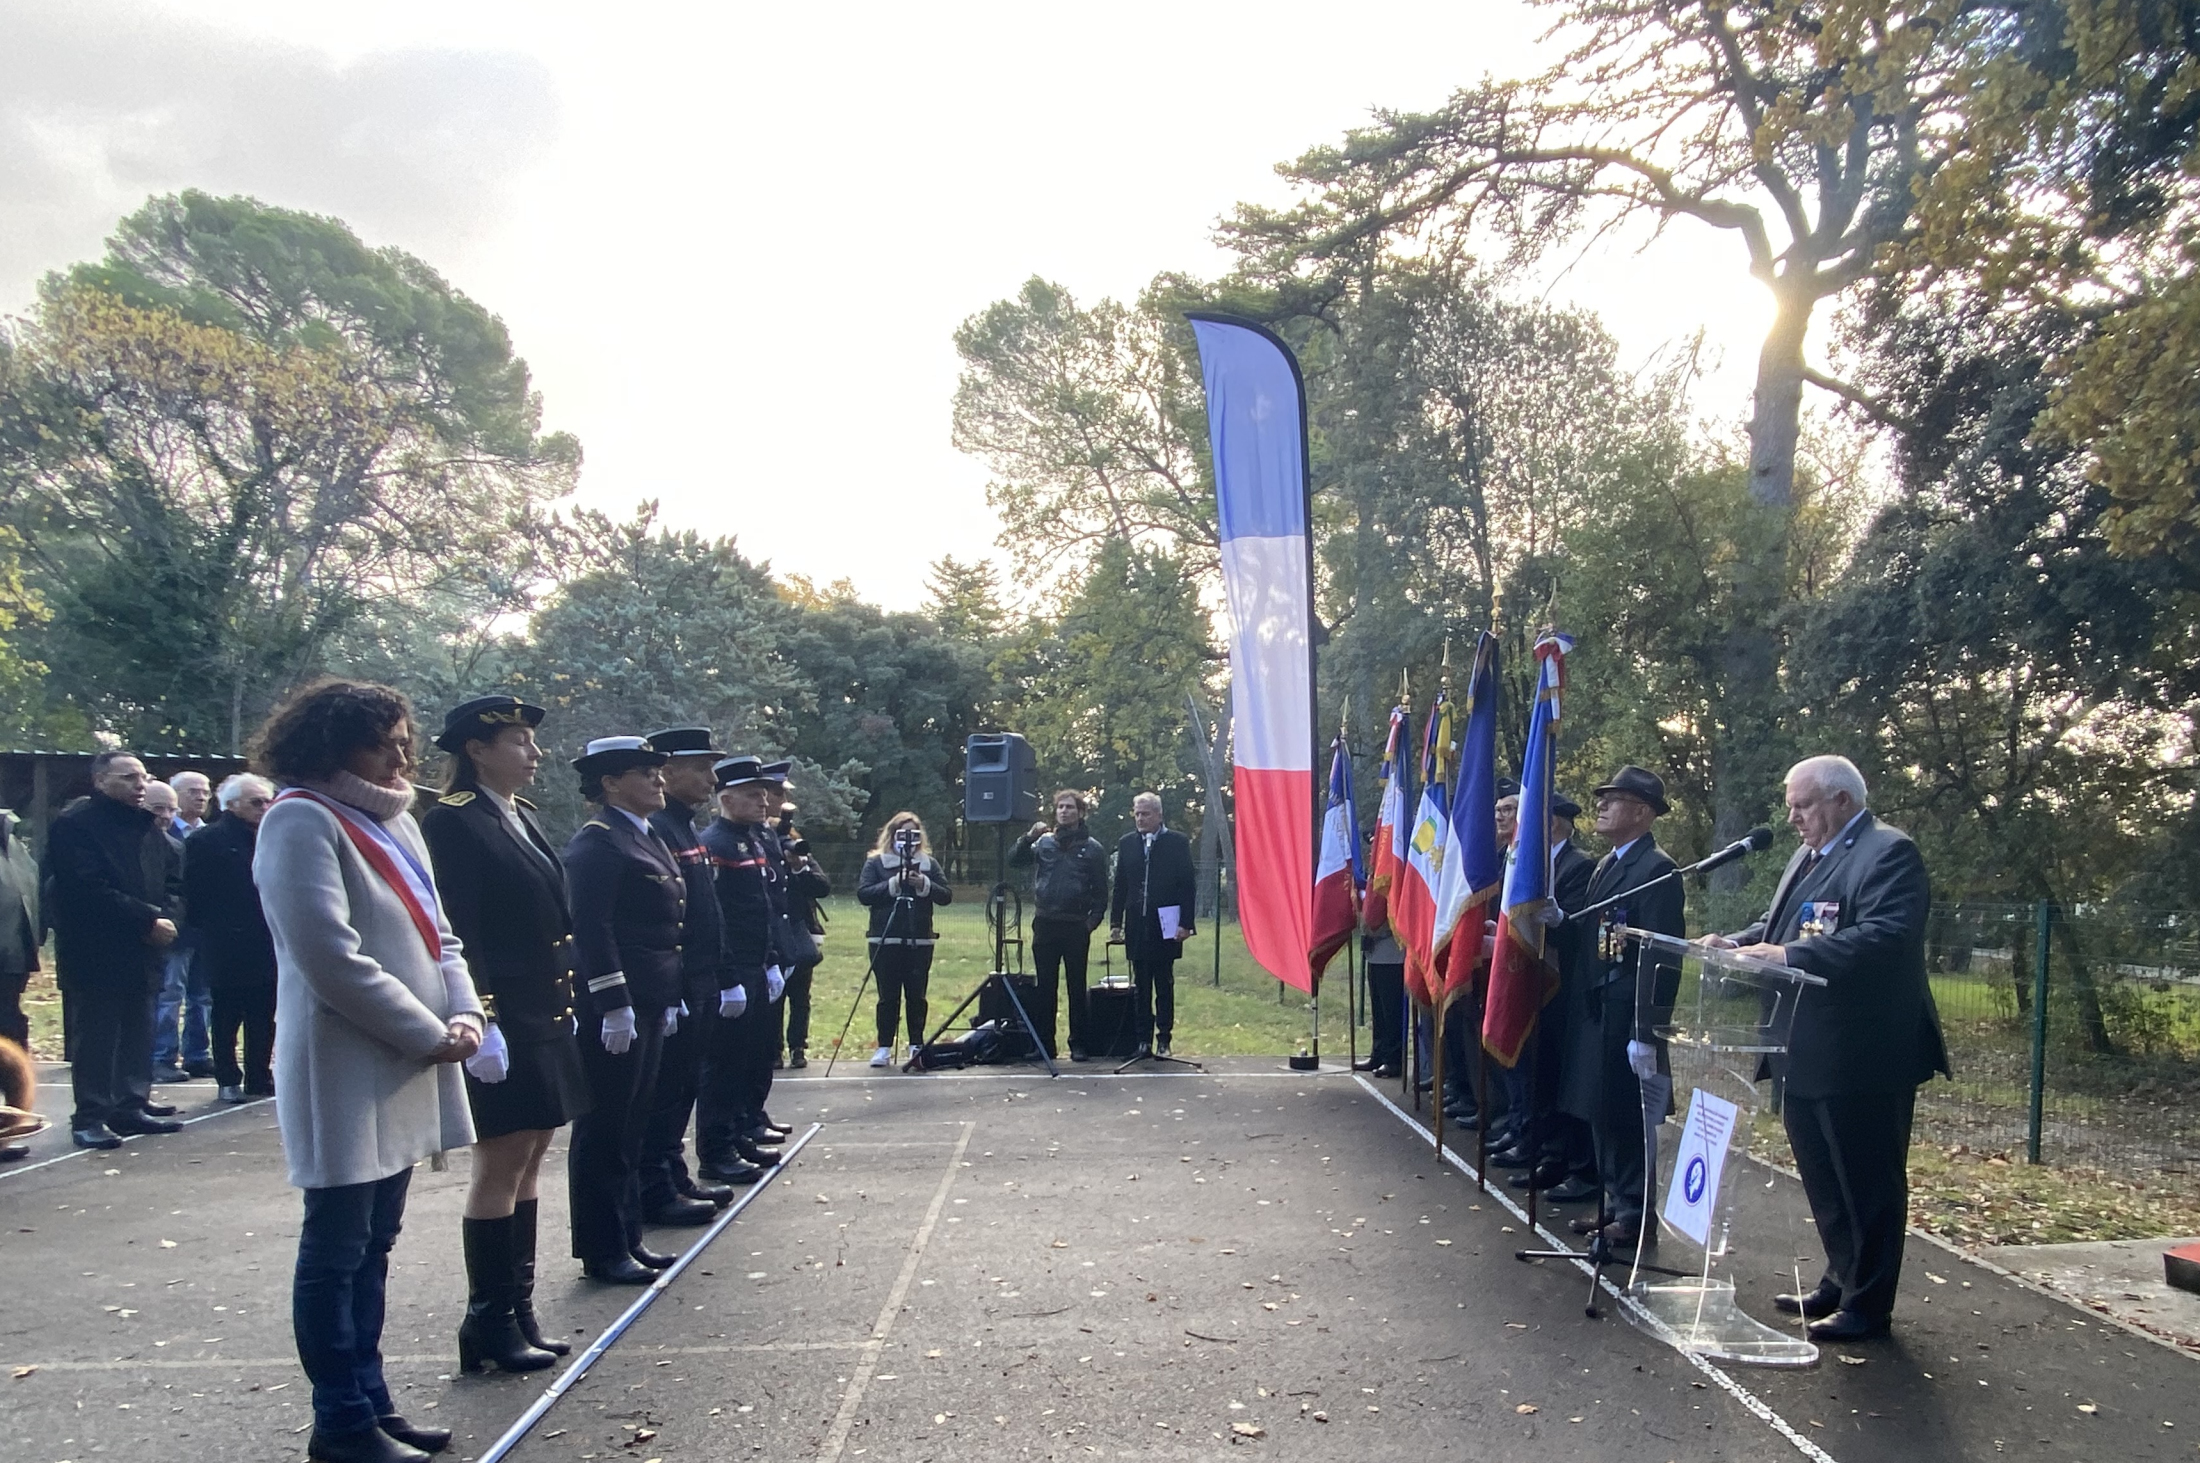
(1256, 423)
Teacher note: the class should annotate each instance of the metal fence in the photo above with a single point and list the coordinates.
(2074, 1035)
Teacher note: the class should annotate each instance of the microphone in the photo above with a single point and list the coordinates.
(1757, 841)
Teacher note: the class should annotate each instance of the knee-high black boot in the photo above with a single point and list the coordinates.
(490, 1334)
(523, 1278)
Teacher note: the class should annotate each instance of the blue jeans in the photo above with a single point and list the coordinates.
(185, 993)
(336, 1298)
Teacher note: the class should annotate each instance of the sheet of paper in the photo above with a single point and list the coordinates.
(1693, 1192)
(1172, 921)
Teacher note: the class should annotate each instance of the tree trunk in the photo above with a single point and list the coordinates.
(2091, 1020)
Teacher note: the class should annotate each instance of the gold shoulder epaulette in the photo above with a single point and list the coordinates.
(455, 799)
(530, 807)
(597, 823)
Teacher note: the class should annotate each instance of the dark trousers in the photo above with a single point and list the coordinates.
(1386, 1014)
(904, 974)
(111, 1067)
(14, 1025)
(763, 1039)
(336, 1298)
(728, 1083)
(249, 1011)
(663, 1170)
(1463, 1056)
(1153, 974)
(1853, 1153)
(1060, 947)
(1619, 1127)
(603, 1164)
(795, 1010)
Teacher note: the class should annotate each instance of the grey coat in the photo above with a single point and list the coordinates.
(359, 1006)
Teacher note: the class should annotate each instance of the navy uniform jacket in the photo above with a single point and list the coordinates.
(703, 963)
(741, 872)
(506, 901)
(1141, 892)
(1873, 1027)
(629, 903)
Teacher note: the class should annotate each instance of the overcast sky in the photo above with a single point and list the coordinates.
(733, 242)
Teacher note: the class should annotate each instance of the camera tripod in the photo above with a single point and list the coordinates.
(997, 916)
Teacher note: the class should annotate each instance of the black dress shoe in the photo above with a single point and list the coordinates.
(137, 1127)
(426, 1439)
(1848, 1326)
(756, 1153)
(786, 1130)
(198, 1071)
(98, 1135)
(763, 1133)
(682, 1211)
(1388, 1072)
(622, 1271)
(14, 1152)
(1077, 1053)
(1573, 1191)
(644, 1255)
(1512, 1158)
(1544, 1175)
(368, 1445)
(1811, 1304)
(160, 1109)
(1364, 1064)
(716, 1195)
(1425, 1084)
(736, 1171)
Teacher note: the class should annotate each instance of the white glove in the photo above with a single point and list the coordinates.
(618, 1031)
(1550, 914)
(732, 1001)
(493, 1063)
(1643, 1057)
(672, 1019)
(775, 983)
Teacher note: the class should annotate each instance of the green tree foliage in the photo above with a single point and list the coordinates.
(230, 441)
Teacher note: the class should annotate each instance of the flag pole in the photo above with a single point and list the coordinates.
(1351, 970)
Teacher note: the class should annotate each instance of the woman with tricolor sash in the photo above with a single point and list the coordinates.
(374, 1013)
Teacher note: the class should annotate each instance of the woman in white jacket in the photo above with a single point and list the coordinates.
(374, 1013)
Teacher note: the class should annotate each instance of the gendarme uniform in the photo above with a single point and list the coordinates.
(727, 1121)
(629, 902)
(670, 1195)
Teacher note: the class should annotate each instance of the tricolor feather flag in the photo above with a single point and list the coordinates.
(1474, 863)
(1523, 973)
(1390, 832)
(1338, 871)
(1413, 897)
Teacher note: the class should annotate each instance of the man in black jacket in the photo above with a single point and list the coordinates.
(1851, 908)
(1611, 1055)
(1151, 913)
(1069, 885)
(235, 953)
(670, 1195)
(728, 1121)
(117, 880)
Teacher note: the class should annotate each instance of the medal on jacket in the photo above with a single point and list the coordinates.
(1819, 917)
(1611, 945)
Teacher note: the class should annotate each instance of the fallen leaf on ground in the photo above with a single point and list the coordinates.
(1527, 1407)
(1854, 1360)
(1248, 1430)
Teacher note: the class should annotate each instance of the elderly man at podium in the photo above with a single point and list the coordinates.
(1851, 909)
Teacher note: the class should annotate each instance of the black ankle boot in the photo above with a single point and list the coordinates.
(412, 1435)
(523, 1278)
(490, 1335)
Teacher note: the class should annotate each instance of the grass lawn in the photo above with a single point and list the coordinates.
(1241, 1017)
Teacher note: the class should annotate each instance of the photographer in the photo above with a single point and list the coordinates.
(900, 884)
(1070, 888)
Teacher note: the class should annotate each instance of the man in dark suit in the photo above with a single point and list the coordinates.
(628, 905)
(1153, 873)
(117, 883)
(1851, 908)
(235, 954)
(1611, 1056)
(1568, 1171)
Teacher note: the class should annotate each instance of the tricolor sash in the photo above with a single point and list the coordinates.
(375, 847)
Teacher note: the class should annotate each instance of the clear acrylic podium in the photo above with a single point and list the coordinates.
(1721, 1019)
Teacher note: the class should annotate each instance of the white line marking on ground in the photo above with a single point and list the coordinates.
(837, 1439)
(290, 1363)
(12, 1172)
(1757, 1406)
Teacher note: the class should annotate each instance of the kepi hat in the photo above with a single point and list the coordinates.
(482, 718)
(684, 741)
(610, 756)
(738, 772)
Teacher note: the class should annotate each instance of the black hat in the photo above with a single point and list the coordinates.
(775, 771)
(1635, 782)
(738, 771)
(684, 741)
(1564, 806)
(1507, 788)
(481, 718)
(610, 756)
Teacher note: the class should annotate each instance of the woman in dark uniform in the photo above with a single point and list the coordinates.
(503, 888)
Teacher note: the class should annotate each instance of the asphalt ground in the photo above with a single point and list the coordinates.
(993, 1265)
